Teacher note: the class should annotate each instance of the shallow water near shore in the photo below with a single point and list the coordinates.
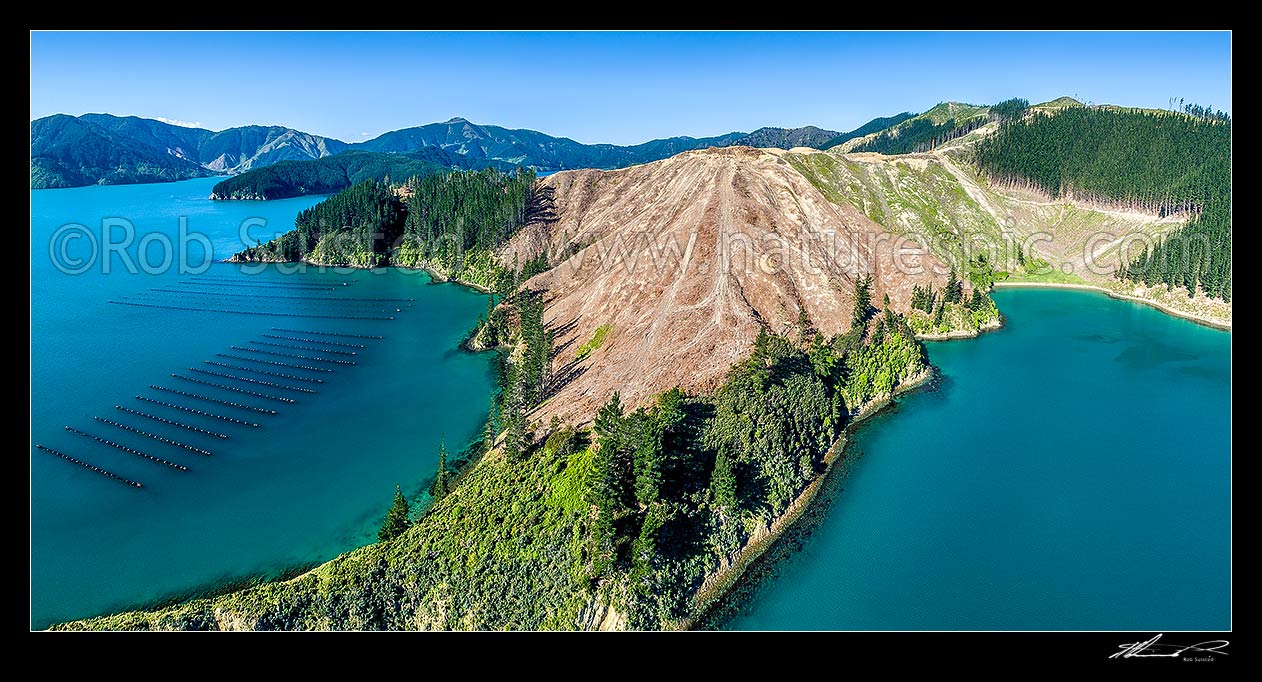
(308, 483)
(1070, 472)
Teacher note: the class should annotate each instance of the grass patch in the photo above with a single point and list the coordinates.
(594, 343)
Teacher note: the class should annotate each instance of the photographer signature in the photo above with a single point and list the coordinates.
(1154, 649)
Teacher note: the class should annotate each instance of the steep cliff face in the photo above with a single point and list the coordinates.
(686, 257)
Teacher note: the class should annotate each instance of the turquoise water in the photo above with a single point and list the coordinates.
(308, 483)
(1071, 472)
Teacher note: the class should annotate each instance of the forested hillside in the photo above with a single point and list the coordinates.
(922, 133)
(1158, 162)
(450, 223)
(70, 152)
(456, 221)
(335, 173)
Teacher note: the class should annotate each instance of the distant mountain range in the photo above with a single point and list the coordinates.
(70, 151)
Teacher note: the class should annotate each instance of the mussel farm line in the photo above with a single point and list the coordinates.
(331, 343)
(89, 467)
(304, 348)
(225, 387)
(128, 450)
(293, 356)
(192, 410)
(250, 312)
(164, 420)
(349, 336)
(309, 368)
(160, 439)
(264, 372)
(259, 382)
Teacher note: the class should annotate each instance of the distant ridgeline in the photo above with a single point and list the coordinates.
(335, 173)
(923, 133)
(1154, 161)
(868, 128)
(450, 223)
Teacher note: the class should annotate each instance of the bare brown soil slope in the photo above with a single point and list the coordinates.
(686, 257)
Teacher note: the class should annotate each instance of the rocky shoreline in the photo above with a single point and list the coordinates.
(989, 326)
(1193, 317)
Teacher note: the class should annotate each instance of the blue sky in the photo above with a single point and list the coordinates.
(622, 88)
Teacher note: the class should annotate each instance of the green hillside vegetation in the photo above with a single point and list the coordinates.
(71, 152)
(1158, 162)
(924, 132)
(917, 197)
(450, 223)
(952, 209)
(951, 311)
(1056, 105)
(330, 174)
(456, 221)
(594, 343)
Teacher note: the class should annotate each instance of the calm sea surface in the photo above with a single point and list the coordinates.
(307, 483)
(1071, 472)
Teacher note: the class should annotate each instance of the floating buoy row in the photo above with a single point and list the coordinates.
(273, 362)
(291, 355)
(260, 382)
(306, 348)
(92, 467)
(193, 411)
(359, 299)
(161, 439)
(164, 420)
(331, 343)
(250, 312)
(302, 287)
(223, 387)
(130, 451)
(233, 294)
(263, 371)
(348, 336)
(263, 280)
(204, 299)
(208, 399)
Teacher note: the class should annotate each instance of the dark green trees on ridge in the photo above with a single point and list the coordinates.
(396, 520)
(449, 222)
(1160, 162)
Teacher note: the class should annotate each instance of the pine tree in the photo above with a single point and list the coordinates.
(396, 520)
(441, 486)
(723, 484)
(862, 301)
(514, 424)
(954, 288)
(647, 458)
(610, 465)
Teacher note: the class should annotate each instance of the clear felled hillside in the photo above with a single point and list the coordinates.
(944, 205)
